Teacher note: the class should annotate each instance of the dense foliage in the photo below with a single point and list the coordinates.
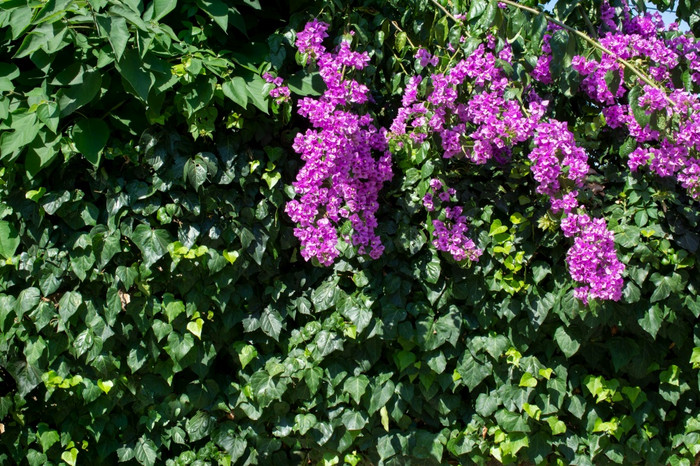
(178, 286)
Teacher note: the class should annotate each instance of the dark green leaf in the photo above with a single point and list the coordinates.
(162, 8)
(217, 10)
(90, 137)
(472, 371)
(651, 320)
(69, 304)
(135, 74)
(381, 394)
(199, 426)
(354, 420)
(145, 451)
(236, 90)
(568, 344)
(152, 243)
(271, 323)
(115, 29)
(72, 98)
(356, 386)
(9, 239)
(306, 84)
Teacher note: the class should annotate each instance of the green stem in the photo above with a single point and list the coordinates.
(449, 15)
(398, 28)
(588, 22)
(108, 112)
(594, 43)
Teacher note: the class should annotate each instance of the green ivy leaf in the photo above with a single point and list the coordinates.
(487, 404)
(532, 410)
(665, 285)
(195, 173)
(473, 372)
(312, 377)
(511, 422)
(353, 420)
(271, 323)
(199, 426)
(69, 304)
(404, 359)
(145, 451)
(136, 358)
(105, 385)
(384, 418)
(356, 386)
(325, 343)
(179, 345)
(527, 380)
(323, 297)
(432, 270)
(695, 358)
(246, 353)
(670, 375)
(304, 422)
(195, 327)
(381, 394)
(70, 456)
(558, 427)
(568, 344)
(265, 389)
(173, 307)
(651, 320)
(152, 243)
(47, 436)
(81, 263)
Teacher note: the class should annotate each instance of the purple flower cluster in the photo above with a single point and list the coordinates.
(483, 127)
(449, 234)
(424, 57)
(592, 259)
(669, 151)
(341, 178)
(555, 153)
(541, 72)
(280, 93)
(310, 41)
(469, 109)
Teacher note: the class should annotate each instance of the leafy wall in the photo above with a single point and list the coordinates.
(154, 305)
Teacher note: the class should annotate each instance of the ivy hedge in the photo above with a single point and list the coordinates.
(155, 308)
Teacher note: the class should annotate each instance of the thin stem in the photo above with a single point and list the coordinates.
(588, 22)
(108, 112)
(396, 25)
(595, 44)
(398, 60)
(449, 15)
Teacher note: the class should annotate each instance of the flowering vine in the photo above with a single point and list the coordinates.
(341, 178)
(472, 109)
